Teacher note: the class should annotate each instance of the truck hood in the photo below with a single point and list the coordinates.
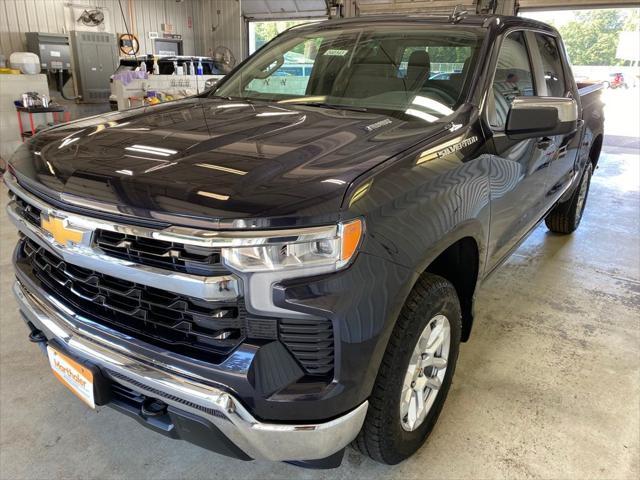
(215, 159)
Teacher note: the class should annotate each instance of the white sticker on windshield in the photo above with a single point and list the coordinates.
(334, 52)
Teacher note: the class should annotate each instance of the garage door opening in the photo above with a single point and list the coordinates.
(597, 37)
(260, 32)
(604, 46)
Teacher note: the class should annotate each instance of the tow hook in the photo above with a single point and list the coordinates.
(152, 407)
(36, 336)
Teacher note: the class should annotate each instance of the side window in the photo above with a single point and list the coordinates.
(513, 78)
(551, 65)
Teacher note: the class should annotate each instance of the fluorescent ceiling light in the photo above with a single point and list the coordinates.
(421, 114)
(164, 152)
(160, 167)
(316, 98)
(275, 114)
(221, 168)
(68, 141)
(233, 105)
(432, 104)
(99, 128)
(217, 196)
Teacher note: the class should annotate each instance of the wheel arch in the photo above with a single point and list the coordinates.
(459, 264)
(596, 148)
(459, 259)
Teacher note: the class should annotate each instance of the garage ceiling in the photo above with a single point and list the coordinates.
(366, 7)
(283, 8)
(280, 9)
(574, 4)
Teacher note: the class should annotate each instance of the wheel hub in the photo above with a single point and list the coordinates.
(425, 373)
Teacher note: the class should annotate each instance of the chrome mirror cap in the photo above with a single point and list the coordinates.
(542, 116)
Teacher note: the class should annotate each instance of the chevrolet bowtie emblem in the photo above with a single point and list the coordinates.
(60, 232)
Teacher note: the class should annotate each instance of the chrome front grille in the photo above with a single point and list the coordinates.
(160, 253)
(146, 251)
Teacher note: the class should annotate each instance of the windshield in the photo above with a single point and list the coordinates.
(400, 70)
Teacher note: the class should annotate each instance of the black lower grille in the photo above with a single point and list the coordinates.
(160, 253)
(122, 393)
(311, 342)
(193, 327)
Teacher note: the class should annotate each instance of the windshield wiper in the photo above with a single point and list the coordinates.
(332, 106)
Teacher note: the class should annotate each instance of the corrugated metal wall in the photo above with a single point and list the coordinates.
(20, 16)
(224, 29)
(148, 15)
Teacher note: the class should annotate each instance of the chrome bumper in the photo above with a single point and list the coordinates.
(268, 441)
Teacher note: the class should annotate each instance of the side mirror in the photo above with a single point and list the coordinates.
(541, 117)
(210, 83)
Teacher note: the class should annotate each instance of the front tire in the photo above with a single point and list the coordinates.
(565, 217)
(416, 371)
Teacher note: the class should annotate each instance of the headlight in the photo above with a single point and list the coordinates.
(322, 249)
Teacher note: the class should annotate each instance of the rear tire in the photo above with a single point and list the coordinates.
(565, 217)
(388, 436)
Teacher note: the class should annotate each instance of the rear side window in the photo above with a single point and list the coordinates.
(513, 78)
(551, 66)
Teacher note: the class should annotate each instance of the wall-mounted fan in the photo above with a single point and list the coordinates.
(91, 18)
(224, 59)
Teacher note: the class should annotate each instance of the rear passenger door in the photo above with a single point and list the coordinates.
(548, 63)
(519, 168)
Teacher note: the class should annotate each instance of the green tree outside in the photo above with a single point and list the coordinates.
(592, 38)
(265, 31)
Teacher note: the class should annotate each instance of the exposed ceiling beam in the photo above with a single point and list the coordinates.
(574, 4)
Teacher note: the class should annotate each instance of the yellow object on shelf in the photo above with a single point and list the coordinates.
(10, 71)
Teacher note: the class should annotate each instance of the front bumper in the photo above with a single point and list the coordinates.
(257, 440)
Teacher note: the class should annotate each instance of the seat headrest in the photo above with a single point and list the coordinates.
(419, 58)
(418, 68)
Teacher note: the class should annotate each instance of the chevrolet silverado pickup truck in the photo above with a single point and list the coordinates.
(286, 265)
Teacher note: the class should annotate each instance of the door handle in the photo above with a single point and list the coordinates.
(544, 143)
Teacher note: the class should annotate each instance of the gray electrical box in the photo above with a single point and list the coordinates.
(95, 58)
(52, 48)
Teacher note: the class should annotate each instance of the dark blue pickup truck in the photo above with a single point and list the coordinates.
(287, 264)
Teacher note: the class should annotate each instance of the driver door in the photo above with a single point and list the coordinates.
(519, 168)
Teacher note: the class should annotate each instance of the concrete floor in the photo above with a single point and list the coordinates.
(548, 386)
